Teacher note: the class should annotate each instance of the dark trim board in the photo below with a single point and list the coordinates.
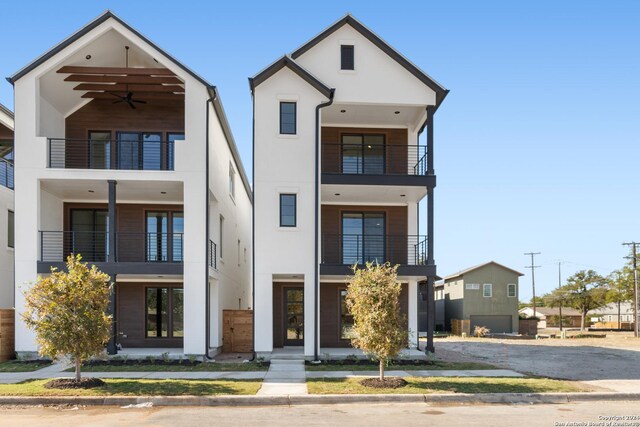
(159, 268)
(286, 61)
(428, 181)
(403, 270)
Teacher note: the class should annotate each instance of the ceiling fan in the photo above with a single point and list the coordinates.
(128, 98)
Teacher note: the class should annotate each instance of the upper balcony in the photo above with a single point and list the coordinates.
(6, 173)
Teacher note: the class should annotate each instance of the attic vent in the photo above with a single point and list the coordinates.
(346, 57)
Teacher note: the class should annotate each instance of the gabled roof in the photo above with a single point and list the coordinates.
(348, 19)
(477, 267)
(552, 311)
(287, 61)
(213, 93)
(7, 111)
(86, 29)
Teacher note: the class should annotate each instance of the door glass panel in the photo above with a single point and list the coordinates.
(128, 150)
(157, 313)
(352, 238)
(151, 151)
(294, 312)
(177, 237)
(100, 150)
(156, 236)
(374, 240)
(88, 237)
(177, 311)
(373, 154)
(352, 154)
(346, 319)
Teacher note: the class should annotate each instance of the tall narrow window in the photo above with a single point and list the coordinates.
(221, 246)
(487, 290)
(287, 210)
(288, 118)
(511, 290)
(347, 57)
(346, 319)
(232, 181)
(10, 231)
(100, 150)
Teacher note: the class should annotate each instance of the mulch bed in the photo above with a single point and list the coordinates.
(72, 383)
(391, 382)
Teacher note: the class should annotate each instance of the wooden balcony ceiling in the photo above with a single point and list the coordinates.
(107, 82)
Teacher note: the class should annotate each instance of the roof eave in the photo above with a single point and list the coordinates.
(287, 61)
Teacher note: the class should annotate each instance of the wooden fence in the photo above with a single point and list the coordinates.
(7, 334)
(237, 332)
(528, 327)
(460, 326)
(624, 326)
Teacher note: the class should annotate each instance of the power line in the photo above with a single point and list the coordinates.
(533, 278)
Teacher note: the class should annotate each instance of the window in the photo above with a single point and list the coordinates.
(487, 290)
(363, 154)
(288, 210)
(287, 118)
(164, 313)
(363, 237)
(511, 290)
(10, 231)
(221, 236)
(232, 181)
(89, 234)
(473, 286)
(347, 57)
(100, 150)
(346, 319)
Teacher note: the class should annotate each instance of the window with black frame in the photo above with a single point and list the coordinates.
(164, 312)
(363, 154)
(363, 237)
(287, 118)
(346, 319)
(288, 210)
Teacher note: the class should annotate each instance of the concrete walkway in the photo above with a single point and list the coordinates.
(285, 377)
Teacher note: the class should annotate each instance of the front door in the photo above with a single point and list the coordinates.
(293, 316)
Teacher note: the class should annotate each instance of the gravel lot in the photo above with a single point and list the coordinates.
(616, 357)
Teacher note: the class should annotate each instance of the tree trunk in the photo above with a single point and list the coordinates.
(619, 323)
(381, 370)
(77, 370)
(583, 319)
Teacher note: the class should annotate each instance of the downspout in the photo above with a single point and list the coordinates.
(316, 335)
(206, 240)
(253, 220)
(419, 297)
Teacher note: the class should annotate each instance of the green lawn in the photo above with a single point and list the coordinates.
(435, 366)
(18, 366)
(444, 385)
(137, 387)
(202, 367)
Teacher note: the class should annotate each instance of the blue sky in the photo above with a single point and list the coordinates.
(537, 145)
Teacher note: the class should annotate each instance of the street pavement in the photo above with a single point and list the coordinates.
(396, 414)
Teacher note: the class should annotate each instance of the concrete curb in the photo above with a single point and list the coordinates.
(319, 399)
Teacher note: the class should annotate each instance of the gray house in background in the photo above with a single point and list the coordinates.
(486, 294)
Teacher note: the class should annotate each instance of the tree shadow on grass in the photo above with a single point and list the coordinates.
(179, 387)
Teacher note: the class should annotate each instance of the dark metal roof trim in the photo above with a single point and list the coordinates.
(287, 61)
(86, 29)
(440, 91)
(226, 129)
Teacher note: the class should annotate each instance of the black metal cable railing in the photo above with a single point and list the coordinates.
(349, 249)
(105, 154)
(213, 255)
(6, 173)
(362, 159)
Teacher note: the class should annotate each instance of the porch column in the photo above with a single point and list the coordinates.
(412, 318)
(431, 306)
(111, 258)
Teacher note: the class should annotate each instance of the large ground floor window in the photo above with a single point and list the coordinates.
(346, 319)
(164, 312)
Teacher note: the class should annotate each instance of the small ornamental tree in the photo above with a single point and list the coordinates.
(585, 291)
(373, 301)
(68, 312)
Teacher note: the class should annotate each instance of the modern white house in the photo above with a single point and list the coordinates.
(339, 171)
(6, 208)
(125, 156)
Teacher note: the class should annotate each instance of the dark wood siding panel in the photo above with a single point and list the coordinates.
(103, 115)
(130, 316)
(330, 313)
(396, 227)
(396, 157)
(131, 223)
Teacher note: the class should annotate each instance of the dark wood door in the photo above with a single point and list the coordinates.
(293, 310)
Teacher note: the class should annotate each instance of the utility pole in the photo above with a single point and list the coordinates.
(634, 258)
(533, 278)
(559, 286)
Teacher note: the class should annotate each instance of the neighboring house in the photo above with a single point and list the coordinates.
(6, 208)
(338, 174)
(549, 317)
(609, 315)
(486, 295)
(125, 156)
